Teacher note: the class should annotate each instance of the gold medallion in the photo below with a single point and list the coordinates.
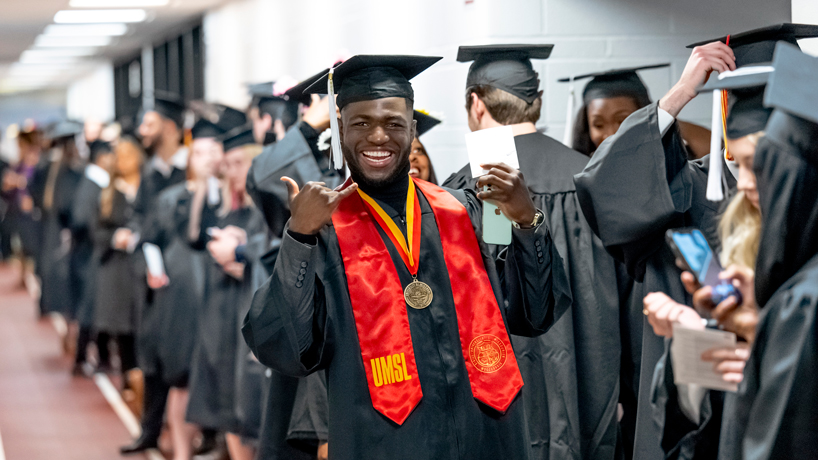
(418, 295)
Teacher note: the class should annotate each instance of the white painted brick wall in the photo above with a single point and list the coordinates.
(293, 38)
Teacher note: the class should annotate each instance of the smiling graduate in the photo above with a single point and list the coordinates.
(386, 285)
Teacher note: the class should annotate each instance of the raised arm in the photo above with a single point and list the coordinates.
(534, 282)
(289, 310)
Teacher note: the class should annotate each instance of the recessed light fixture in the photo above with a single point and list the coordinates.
(45, 41)
(85, 30)
(116, 3)
(99, 16)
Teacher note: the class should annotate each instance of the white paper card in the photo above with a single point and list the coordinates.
(686, 352)
(153, 257)
(493, 145)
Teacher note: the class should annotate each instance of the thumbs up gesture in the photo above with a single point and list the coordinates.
(311, 207)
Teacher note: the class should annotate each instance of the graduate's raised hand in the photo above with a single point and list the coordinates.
(742, 318)
(703, 61)
(311, 207)
(507, 191)
(317, 114)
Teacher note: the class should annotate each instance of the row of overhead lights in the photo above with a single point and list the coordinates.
(76, 34)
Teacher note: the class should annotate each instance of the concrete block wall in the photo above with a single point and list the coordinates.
(264, 39)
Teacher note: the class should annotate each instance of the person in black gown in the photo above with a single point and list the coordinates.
(639, 184)
(299, 157)
(115, 309)
(609, 98)
(571, 373)
(774, 415)
(303, 320)
(224, 391)
(161, 133)
(84, 214)
(422, 167)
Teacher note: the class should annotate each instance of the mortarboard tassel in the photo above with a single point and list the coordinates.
(714, 182)
(337, 154)
(568, 136)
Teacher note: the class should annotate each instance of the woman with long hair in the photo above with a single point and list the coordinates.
(115, 308)
(224, 396)
(171, 322)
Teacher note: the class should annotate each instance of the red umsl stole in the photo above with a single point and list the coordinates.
(380, 309)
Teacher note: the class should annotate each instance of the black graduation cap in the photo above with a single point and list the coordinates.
(169, 106)
(237, 137)
(215, 119)
(506, 67)
(791, 88)
(367, 77)
(299, 93)
(425, 122)
(261, 89)
(64, 129)
(757, 45)
(746, 113)
(615, 83)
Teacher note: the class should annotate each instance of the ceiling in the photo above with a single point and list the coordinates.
(22, 21)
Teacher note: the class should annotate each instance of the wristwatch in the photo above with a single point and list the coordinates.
(539, 217)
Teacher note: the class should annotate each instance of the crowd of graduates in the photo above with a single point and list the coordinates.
(169, 254)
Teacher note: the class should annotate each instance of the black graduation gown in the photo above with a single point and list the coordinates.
(145, 207)
(59, 291)
(84, 256)
(169, 328)
(295, 156)
(775, 415)
(116, 296)
(571, 373)
(214, 370)
(638, 185)
(448, 422)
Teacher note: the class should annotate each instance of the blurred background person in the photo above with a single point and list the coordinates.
(115, 308)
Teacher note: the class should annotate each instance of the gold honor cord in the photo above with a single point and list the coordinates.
(417, 294)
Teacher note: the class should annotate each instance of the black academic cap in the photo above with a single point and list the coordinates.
(746, 113)
(237, 137)
(757, 45)
(215, 119)
(261, 89)
(299, 92)
(505, 67)
(204, 128)
(791, 87)
(169, 106)
(63, 129)
(425, 122)
(367, 77)
(615, 83)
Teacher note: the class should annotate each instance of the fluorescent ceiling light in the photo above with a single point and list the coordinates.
(85, 30)
(99, 16)
(45, 41)
(116, 3)
(55, 55)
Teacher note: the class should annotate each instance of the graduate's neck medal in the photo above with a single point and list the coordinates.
(417, 294)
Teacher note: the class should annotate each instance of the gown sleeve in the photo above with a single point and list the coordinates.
(287, 319)
(640, 183)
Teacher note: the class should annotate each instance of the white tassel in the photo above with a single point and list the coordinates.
(337, 154)
(568, 136)
(714, 185)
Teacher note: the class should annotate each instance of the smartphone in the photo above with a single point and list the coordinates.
(694, 254)
(496, 226)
